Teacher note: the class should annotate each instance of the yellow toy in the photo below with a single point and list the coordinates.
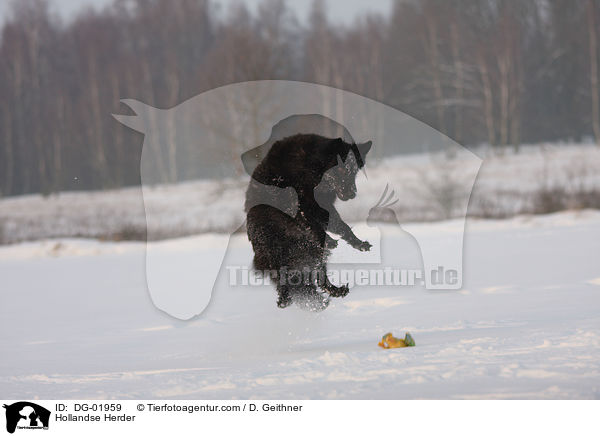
(389, 341)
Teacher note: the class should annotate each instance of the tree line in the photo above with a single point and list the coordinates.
(502, 72)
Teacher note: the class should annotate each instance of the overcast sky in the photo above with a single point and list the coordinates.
(340, 11)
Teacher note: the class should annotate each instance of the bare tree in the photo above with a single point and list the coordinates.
(594, 69)
(497, 71)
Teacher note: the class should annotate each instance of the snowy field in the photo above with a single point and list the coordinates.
(539, 179)
(77, 322)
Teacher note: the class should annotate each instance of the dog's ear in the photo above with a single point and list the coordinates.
(364, 148)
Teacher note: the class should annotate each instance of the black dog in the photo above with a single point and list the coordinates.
(289, 205)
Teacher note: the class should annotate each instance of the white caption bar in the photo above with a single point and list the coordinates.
(300, 417)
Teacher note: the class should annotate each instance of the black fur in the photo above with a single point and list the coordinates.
(290, 205)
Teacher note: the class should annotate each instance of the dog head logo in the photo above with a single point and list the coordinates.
(214, 136)
(26, 415)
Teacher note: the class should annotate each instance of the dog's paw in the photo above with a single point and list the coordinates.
(331, 243)
(338, 291)
(284, 301)
(363, 246)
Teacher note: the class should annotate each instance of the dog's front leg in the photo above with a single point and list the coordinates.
(339, 227)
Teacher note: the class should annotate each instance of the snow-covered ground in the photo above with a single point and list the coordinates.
(76, 321)
(508, 184)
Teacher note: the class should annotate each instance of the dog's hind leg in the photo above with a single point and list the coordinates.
(296, 287)
(326, 285)
(284, 299)
(307, 297)
(337, 291)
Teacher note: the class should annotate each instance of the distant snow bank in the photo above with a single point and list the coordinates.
(71, 247)
(540, 178)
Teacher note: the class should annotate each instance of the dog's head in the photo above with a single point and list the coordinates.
(347, 160)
